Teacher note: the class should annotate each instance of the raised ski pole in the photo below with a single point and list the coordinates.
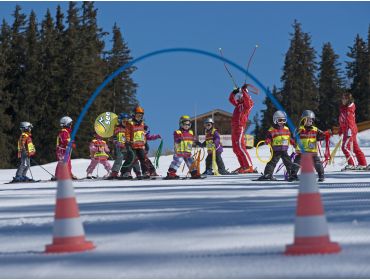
(249, 62)
(227, 70)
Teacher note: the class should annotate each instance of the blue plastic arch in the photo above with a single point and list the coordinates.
(163, 51)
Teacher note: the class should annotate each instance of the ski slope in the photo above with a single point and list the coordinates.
(219, 227)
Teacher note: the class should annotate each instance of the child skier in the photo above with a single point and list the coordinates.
(26, 150)
(63, 139)
(212, 142)
(135, 142)
(98, 153)
(309, 135)
(279, 137)
(348, 127)
(119, 140)
(151, 168)
(184, 139)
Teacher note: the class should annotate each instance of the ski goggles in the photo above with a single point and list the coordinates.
(186, 124)
(281, 120)
(207, 124)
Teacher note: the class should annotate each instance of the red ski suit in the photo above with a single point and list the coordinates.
(63, 138)
(243, 106)
(348, 127)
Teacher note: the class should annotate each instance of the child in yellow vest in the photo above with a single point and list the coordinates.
(26, 149)
(98, 153)
(184, 139)
(309, 135)
(278, 136)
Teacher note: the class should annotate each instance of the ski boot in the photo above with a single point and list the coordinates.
(321, 178)
(361, 167)
(26, 179)
(89, 176)
(146, 176)
(224, 172)
(113, 176)
(125, 176)
(267, 177)
(17, 178)
(171, 175)
(195, 175)
(293, 177)
(349, 167)
(208, 172)
(245, 170)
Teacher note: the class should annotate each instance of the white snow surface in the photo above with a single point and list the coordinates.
(219, 227)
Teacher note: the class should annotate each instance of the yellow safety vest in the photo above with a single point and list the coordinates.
(100, 144)
(186, 144)
(120, 133)
(308, 139)
(280, 137)
(209, 140)
(24, 144)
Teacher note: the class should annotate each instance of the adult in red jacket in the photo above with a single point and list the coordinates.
(348, 127)
(243, 103)
(63, 138)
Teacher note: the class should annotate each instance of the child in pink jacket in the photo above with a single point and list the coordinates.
(98, 153)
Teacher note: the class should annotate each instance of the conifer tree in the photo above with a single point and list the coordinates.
(330, 88)
(29, 108)
(358, 73)
(268, 113)
(5, 105)
(15, 74)
(123, 88)
(257, 129)
(299, 91)
(49, 98)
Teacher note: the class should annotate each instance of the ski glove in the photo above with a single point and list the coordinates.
(236, 90)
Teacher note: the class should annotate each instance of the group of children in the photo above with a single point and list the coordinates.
(279, 137)
(131, 148)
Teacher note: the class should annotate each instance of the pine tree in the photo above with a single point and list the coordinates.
(49, 97)
(29, 109)
(5, 105)
(358, 73)
(15, 75)
(330, 88)
(268, 113)
(123, 88)
(257, 129)
(299, 89)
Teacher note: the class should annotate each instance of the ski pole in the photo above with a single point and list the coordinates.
(41, 167)
(31, 172)
(249, 62)
(227, 70)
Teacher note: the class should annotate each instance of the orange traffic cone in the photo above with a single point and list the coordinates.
(68, 232)
(311, 234)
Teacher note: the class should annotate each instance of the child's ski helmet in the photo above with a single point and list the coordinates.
(123, 116)
(139, 110)
(209, 120)
(65, 121)
(308, 114)
(24, 126)
(184, 118)
(279, 115)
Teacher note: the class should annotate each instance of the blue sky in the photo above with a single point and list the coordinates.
(177, 84)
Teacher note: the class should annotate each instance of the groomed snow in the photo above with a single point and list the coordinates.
(219, 227)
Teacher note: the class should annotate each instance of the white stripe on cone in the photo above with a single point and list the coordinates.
(311, 226)
(68, 227)
(65, 189)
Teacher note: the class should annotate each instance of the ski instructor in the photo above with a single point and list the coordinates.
(243, 103)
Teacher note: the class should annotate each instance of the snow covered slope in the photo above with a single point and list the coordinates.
(219, 227)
